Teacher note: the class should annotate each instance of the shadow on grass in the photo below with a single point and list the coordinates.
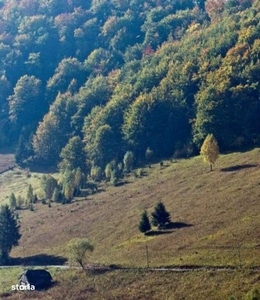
(39, 260)
(168, 228)
(177, 225)
(158, 232)
(238, 167)
(97, 271)
(121, 183)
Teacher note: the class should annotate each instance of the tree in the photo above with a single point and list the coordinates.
(20, 202)
(24, 104)
(96, 173)
(108, 171)
(12, 201)
(160, 216)
(57, 195)
(49, 184)
(68, 184)
(73, 155)
(144, 225)
(210, 150)
(29, 197)
(9, 233)
(128, 161)
(78, 249)
(114, 177)
(53, 132)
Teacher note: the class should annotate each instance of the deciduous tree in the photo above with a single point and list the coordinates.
(210, 150)
(78, 249)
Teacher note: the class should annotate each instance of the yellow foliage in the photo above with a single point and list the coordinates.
(210, 150)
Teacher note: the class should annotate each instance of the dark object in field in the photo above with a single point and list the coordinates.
(41, 279)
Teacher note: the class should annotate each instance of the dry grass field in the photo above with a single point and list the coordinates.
(216, 221)
(6, 161)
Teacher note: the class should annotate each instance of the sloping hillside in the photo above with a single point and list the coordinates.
(216, 215)
(215, 223)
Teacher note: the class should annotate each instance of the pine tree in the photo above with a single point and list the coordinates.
(210, 150)
(29, 197)
(9, 233)
(160, 216)
(12, 201)
(144, 225)
(20, 202)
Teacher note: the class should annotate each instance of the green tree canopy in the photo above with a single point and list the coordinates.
(78, 250)
(73, 155)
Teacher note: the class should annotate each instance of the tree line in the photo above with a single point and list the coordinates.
(82, 83)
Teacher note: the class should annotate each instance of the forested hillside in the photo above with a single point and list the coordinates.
(87, 81)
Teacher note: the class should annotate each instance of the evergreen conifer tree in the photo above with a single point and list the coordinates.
(144, 225)
(160, 216)
(12, 201)
(9, 233)
(29, 196)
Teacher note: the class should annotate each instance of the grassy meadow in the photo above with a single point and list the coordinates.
(215, 222)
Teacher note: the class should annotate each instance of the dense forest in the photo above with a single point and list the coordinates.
(83, 82)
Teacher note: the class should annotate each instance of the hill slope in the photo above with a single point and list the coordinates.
(218, 221)
(216, 211)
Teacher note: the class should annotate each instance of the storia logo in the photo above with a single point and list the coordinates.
(23, 287)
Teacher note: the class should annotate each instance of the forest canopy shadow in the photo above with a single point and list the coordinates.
(238, 167)
(121, 183)
(39, 260)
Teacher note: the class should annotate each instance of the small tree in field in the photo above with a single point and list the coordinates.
(29, 197)
(144, 225)
(210, 150)
(128, 161)
(160, 216)
(49, 184)
(78, 249)
(12, 201)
